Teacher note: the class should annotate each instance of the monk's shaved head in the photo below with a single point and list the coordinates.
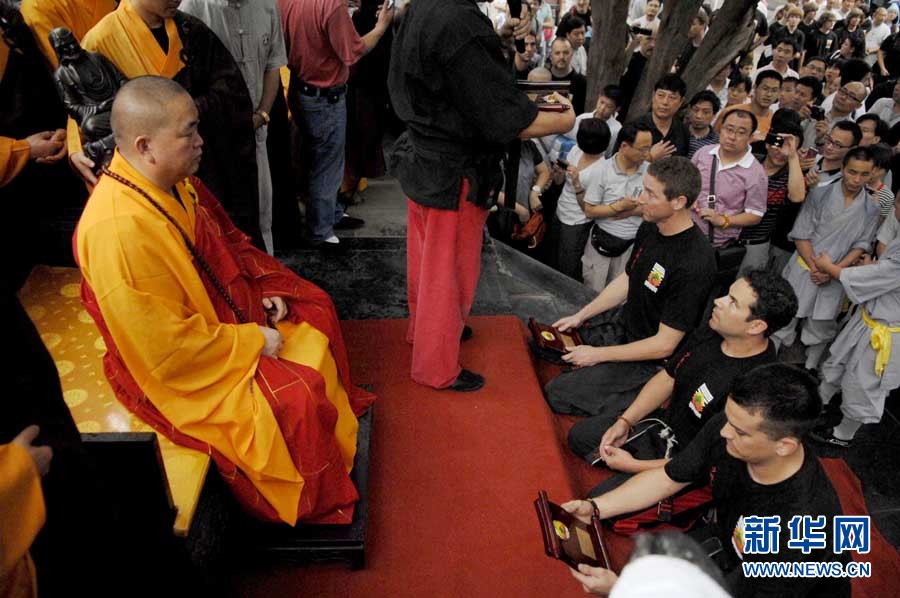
(156, 126)
(142, 107)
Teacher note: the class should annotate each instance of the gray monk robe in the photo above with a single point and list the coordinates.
(852, 363)
(835, 230)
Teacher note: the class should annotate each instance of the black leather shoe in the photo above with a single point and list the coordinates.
(467, 382)
(349, 222)
(826, 436)
(466, 333)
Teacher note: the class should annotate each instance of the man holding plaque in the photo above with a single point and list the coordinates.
(762, 476)
(451, 84)
(664, 290)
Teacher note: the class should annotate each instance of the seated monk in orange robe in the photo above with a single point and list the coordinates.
(212, 342)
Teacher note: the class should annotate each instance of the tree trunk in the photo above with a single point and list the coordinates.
(675, 21)
(729, 33)
(606, 59)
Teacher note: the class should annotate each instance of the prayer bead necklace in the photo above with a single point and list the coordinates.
(204, 266)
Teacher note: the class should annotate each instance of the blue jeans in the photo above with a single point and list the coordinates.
(324, 129)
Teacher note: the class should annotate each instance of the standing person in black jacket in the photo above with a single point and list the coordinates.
(451, 84)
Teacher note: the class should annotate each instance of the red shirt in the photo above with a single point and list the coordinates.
(321, 41)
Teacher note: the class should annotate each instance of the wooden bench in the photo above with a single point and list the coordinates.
(52, 298)
(320, 543)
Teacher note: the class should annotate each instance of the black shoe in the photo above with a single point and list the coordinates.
(831, 413)
(349, 222)
(466, 333)
(826, 436)
(467, 382)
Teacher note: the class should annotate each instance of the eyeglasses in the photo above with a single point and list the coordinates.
(736, 131)
(830, 141)
(847, 94)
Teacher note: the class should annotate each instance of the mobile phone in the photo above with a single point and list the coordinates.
(774, 139)
(515, 12)
(811, 152)
(562, 164)
(817, 113)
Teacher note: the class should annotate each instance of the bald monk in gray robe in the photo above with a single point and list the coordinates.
(853, 366)
(840, 220)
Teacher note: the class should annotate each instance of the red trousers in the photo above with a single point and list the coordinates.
(443, 262)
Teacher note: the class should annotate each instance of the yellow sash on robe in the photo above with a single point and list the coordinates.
(881, 341)
(78, 16)
(22, 514)
(197, 371)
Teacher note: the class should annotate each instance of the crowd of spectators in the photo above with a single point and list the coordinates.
(798, 137)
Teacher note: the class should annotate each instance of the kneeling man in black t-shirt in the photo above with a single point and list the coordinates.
(696, 381)
(754, 458)
(664, 290)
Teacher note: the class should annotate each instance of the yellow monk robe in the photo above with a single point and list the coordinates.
(214, 81)
(201, 374)
(14, 156)
(22, 515)
(124, 38)
(78, 16)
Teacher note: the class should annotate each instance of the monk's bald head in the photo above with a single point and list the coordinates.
(155, 123)
(142, 107)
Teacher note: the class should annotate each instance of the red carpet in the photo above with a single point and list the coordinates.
(884, 558)
(453, 477)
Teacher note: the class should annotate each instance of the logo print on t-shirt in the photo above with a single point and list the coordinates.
(737, 538)
(655, 278)
(702, 397)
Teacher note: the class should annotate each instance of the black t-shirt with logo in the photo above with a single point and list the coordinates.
(703, 375)
(669, 281)
(736, 496)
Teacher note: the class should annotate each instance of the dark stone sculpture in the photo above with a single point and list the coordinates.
(87, 83)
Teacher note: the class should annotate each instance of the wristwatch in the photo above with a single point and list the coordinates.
(537, 189)
(264, 115)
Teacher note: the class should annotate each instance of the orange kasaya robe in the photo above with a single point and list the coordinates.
(281, 431)
(22, 515)
(78, 16)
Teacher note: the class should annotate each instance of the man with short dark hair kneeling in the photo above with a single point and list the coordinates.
(212, 342)
(664, 290)
(754, 457)
(695, 381)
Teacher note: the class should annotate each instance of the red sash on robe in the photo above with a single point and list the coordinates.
(305, 416)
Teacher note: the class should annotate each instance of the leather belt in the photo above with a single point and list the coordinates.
(325, 92)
